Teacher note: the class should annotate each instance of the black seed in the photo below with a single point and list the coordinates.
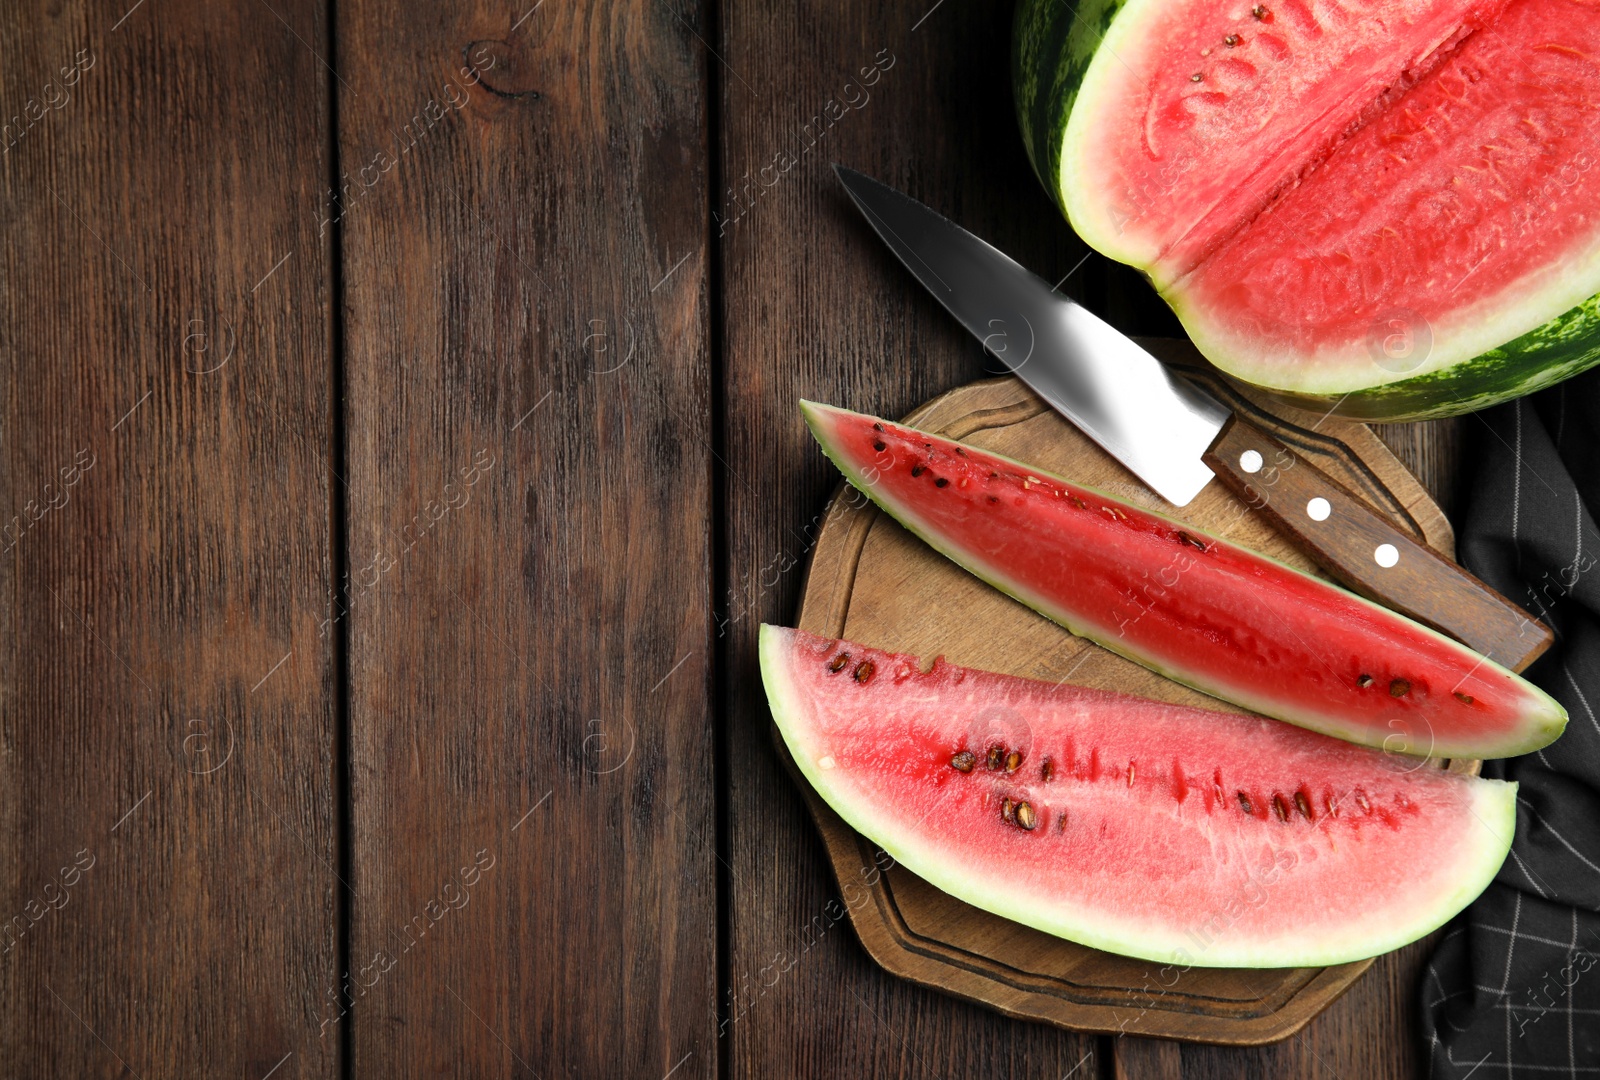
(993, 475)
(1465, 699)
(1008, 810)
(1399, 688)
(879, 446)
(1302, 804)
(1190, 540)
(1025, 816)
(964, 761)
(864, 671)
(996, 755)
(1014, 761)
(993, 499)
(1061, 821)
(1364, 682)
(1079, 503)
(916, 470)
(1280, 807)
(941, 482)
(1047, 770)
(1197, 77)
(1231, 40)
(960, 451)
(838, 662)
(1244, 803)
(877, 427)
(1260, 12)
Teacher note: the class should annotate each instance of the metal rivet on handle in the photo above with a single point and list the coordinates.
(1386, 555)
(1318, 509)
(1250, 461)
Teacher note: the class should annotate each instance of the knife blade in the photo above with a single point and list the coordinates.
(1175, 435)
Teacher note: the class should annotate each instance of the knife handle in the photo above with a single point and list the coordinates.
(1367, 552)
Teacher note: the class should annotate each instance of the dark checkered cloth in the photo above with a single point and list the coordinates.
(1513, 990)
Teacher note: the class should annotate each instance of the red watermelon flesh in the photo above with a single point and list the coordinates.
(1305, 179)
(1153, 830)
(1196, 608)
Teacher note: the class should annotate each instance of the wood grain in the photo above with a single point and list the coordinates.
(815, 307)
(530, 461)
(167, 781)
(871, 581)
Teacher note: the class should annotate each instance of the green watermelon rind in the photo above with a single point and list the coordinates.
(1542, 723)
(1495, 809)
(1055, 43)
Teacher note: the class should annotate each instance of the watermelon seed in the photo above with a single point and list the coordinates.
(1197, 77)
(996, 753)
(1364, 682)
(1013, 761)
(1244, 803)
(1465, 699)
(1191, 541)
(1399, 688)
(960, 451)
(1261, 13)
(1025, 816)
(1046, 770)
(838, 662)
(964, 761)
(877, 427)
(993, 475)
(865, 670)
(941, 482)
(1302, 804)
(916, 470)
(1231, 40)
(1361, 801)
(994, 498)
(1130, 774)
(1062, 826)
(1079, 503)
(879, 446)
(1280, 807)
(1008, 811)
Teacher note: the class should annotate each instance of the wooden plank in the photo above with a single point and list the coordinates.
(167, 786)
(816, 307)
(530, 486)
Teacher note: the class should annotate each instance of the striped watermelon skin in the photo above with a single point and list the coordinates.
(1053, 44)
(1561, 348)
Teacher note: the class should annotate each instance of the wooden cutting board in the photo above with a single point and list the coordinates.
(871, 581)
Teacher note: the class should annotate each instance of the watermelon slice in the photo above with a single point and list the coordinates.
(1202, 611)
(1388, 206)
(1158, 831)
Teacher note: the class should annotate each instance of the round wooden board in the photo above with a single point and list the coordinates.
(870, 581)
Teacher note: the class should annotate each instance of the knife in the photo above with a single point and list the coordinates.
(1176, 436)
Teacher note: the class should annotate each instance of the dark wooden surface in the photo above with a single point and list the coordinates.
(391, 669)
(169, 709)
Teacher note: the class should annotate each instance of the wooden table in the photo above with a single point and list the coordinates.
(400, 449)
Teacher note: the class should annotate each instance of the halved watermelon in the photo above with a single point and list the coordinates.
(1198, 609)
(1386, 206)
(1153, 830)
